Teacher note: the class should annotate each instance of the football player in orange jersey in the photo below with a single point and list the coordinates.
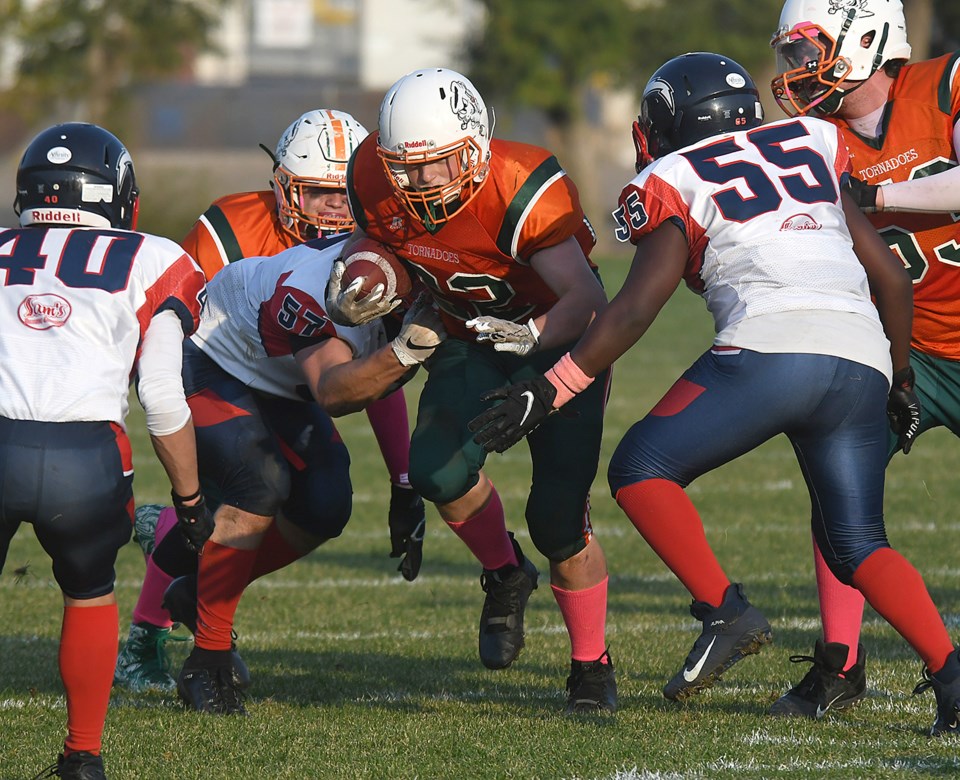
(847, 63)
(495, 230)
(307, 201)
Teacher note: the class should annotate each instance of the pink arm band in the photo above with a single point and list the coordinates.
(568, 378)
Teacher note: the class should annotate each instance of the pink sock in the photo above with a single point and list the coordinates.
(841, 608)
(585, 615)
(486, 535)
(148, 609)
(388, 419)
(155, 580)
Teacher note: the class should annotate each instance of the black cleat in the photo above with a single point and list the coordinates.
(826, 686)
(180, 600)
(731, 631)
(501, 621)
(76, 766)
(948, 696)
(591, 686)
(209, 689)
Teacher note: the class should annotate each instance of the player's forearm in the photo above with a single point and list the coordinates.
(569, 317)
(177, 453)
(940, 192)
(352, 386)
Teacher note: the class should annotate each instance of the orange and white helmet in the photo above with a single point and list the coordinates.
(826, 48)
(313, 153)
(431, 115)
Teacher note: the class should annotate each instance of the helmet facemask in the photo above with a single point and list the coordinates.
(434, 205)
(293, 193)
(811, 71)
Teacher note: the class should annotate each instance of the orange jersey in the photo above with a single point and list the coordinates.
(917, 141)
(478, 262)
(236, 226)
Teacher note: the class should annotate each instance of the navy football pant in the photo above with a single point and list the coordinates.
(262, 453)
(729, 402)
(73, 481)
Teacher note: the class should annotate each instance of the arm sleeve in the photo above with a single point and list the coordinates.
(159, 385)
(940, 192)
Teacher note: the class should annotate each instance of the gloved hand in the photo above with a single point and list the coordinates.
(524, 406)
(903, 409)
(506, 336)
(407, 520)
(342, 305)
(195, 521)
(421, 333)
(865, 195)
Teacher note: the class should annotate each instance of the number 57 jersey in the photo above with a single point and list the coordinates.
(74, 307)
(765, 229)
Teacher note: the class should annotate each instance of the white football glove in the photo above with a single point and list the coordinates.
(421, 333)
(507, 336)
(342, 305)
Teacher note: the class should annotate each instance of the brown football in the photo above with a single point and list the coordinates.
(377, 265)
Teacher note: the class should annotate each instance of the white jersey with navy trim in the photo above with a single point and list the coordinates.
(262, 310)
(769, 248)
(75, 304)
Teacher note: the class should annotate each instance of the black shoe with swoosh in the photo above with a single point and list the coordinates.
(731, 631)
(947, 693)
(827, 686)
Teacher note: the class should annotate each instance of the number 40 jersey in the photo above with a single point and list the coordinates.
(74, 307)
(769, 248)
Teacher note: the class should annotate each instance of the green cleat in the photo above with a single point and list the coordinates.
(143, 664)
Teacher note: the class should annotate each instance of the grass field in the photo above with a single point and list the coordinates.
(358, 674)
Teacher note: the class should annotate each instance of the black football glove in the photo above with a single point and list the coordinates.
(525, 405)
(903, 409)
(407, 519)
(865, 195)
(195, 522)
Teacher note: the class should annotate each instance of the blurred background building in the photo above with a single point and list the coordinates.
(195, 86)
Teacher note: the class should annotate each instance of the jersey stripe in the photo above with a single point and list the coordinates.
(537, 182)
(945, 89)
(223, 235)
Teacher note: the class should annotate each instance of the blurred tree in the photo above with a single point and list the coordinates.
(81, 58)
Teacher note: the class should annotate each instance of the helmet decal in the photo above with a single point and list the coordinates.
(466, 107)
(664, 89)
(843, 6)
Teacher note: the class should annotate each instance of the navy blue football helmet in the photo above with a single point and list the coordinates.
(77, 174)
(692, 97)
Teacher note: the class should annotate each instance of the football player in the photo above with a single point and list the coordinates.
(495, 230)
(753, 218)
(848, 64)
(82, 288)
(263, 375)
(307, 201)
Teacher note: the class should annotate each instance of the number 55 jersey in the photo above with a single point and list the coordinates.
(74, 307)
(769, 248)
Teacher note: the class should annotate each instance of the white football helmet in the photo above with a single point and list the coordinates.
(428, 116)
(826, 48)
(313, 153)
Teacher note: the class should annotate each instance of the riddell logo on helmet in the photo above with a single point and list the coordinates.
(416, 144)
(56, 215)
(42, 312)
(800, 222)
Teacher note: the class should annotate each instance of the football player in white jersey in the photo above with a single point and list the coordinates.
(81, 289)
(263, 375)
(752, 218)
